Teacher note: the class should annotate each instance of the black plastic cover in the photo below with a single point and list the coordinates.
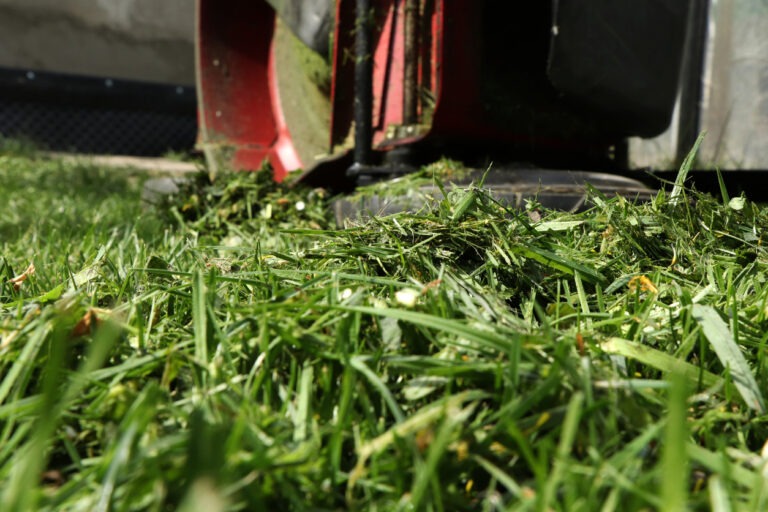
(620, 60)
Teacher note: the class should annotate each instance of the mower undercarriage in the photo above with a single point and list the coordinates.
(348, 92)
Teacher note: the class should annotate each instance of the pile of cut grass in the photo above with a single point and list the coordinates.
(235, 351)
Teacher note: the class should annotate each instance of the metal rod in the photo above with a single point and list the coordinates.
(692, 76)
(411, 64)
(363, 104)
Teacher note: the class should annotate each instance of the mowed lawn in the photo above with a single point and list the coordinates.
(234, 350)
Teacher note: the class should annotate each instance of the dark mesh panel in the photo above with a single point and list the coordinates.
(64, 112)
(97, 130)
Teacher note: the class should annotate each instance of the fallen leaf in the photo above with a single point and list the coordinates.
(646, 285)
(83, 327)
(16, 281)
(53, 477)
(90, 319)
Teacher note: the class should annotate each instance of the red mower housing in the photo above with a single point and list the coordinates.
(545, 83)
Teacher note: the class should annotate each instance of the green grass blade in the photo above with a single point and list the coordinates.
(119, 460)
(564, 447)
(420, 420)
(304, 406)
(723, 188)
(674, 460)
(718, 495)
(358, 364)
(504, 478)
(553, 260)
(427, 473)
(200, 317)
(720, 337)
(659, 360)
(23, 363)
(482, 337)
(203, 496)
(22, 492)
(682, 175)
(718, 463)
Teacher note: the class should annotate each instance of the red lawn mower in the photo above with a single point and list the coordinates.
(351, 91)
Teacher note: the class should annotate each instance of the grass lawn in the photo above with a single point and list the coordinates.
(234, 350)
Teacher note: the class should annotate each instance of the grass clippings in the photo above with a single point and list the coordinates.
(235, 350)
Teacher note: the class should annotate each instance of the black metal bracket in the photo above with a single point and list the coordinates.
(363, 169)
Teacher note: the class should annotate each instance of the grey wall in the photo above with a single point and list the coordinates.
(150, 40)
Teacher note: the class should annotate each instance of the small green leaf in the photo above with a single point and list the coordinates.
(737, 203)
(419, 387)
(391, 333)
(51, 295)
